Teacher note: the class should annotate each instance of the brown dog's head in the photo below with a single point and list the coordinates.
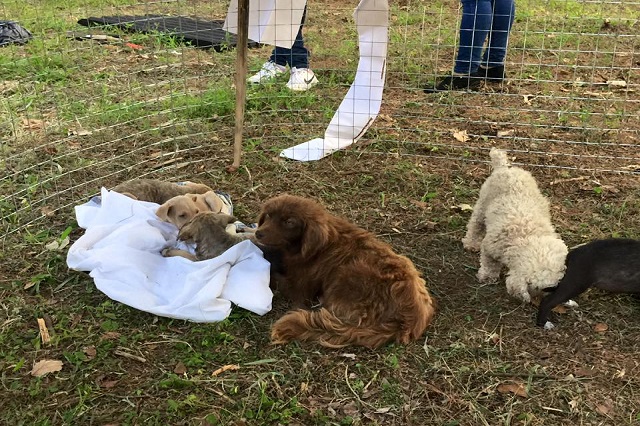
(183, 208)
(294, 224)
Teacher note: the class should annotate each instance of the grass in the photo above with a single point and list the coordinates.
(102, 113)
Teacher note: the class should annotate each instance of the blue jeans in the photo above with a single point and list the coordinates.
(482, 19)
(298, 55)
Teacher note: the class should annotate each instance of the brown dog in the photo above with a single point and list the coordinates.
(370, 295)
(157, 191)
(183, 208)
(207, 232)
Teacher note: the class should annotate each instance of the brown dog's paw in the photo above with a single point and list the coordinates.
(277, 338)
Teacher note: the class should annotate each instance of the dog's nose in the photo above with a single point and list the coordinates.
(259, 234)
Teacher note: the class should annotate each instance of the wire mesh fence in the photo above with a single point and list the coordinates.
(88, 106)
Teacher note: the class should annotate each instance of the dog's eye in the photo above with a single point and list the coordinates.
(182, 216)
(290, 223)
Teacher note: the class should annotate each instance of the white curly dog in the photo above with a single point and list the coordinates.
(511, 226)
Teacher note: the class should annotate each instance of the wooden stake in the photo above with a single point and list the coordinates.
(241, 79)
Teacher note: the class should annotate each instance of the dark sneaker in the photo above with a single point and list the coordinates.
(491, 75)
(455, 83)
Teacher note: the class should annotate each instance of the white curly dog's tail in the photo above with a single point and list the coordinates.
(498, 158)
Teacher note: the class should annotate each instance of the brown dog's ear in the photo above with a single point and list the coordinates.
(212, 200)
(164, 211)
(315, 237)
(186, 233)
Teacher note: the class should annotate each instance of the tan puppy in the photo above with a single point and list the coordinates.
(183, 208)
(157, 191)
(207, 232)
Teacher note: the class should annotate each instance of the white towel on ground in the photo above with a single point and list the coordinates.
(121, 251)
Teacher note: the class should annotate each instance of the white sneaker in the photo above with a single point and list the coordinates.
(268, 72)
(301, 79)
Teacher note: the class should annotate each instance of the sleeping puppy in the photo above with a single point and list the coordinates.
(612, 265)
(207, 232)
(183, 208)
(157, 191)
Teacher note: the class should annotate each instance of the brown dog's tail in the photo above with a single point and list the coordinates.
(324, 327)
(498, 158)
(415, 310)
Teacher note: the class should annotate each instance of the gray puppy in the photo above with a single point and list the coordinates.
(157, 191)
(207, 232)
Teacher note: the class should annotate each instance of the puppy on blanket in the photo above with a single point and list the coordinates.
(612, 265)
(207, 232)
(157, 191)
(182, 209)
(511, 226)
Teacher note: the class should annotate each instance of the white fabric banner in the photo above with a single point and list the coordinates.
(121, 251)
(274, 22)
(361, 105)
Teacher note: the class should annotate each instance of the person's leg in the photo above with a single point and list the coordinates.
(280, 57)
(492, 66)
(302, 77)
(298, 55)
(474, 28)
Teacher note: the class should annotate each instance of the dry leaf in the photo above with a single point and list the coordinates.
(494, 338)
(50, 150)
(619, 374)
(505, 133)
(560, 309)
(78, 132)
(605, 407)
(8, 86)
(462, 208)
(617, 83)
(90, 351)
(600, 327)
(351, 409)
(461, 135)
(420, 204)
(225, 368)
(47, 211)
(33, 124)
(110, 335)
(584, 372)
(46, 366)
(515, 388)
(108, 384)
(180, 368)
(348, 355)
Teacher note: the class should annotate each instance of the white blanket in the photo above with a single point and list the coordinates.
(121, 251)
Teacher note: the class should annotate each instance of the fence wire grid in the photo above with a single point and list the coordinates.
(84, 107)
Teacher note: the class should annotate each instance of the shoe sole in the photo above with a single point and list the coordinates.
(303, 89)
